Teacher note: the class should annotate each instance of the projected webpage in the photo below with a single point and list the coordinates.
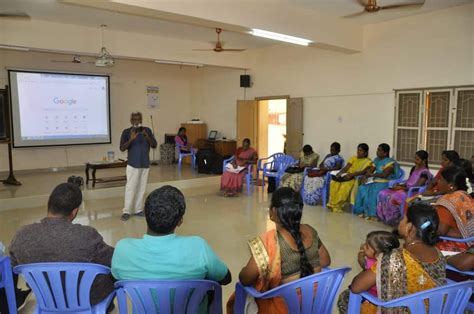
(59, 109)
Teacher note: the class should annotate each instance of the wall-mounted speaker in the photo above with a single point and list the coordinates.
(245, 81)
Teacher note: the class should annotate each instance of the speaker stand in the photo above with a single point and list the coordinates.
(11, 180)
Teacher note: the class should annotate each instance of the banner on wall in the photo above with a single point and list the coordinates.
(152, 96)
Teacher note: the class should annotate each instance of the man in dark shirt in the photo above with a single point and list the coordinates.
(137, 140)
(57, 239)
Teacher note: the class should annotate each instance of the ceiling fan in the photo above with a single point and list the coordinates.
(75, 59)
(218, 47)
(15, 15)
(370, 6)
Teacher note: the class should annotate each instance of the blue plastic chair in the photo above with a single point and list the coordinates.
(181, 155)
(470, 305)
(248, 175)
(64, 287)
(449, 299)
(268, 162)
(276, 169)
(301, 296)
(167, 296)
(463, 272)
(6, 282)
(461, 240)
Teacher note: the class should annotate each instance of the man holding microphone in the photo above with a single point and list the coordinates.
(137, 140)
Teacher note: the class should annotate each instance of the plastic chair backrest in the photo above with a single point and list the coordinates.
(311, 294)
(451, 298)
(61, 287)
(399, 172)
(6, 282)
(168, 296)
(463, 272)
(460, 240)
(469, 241)
(270, 159)
(284, 162)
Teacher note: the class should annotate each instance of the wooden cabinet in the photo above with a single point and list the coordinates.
(195, 131)
(225, 148)
(221, 147)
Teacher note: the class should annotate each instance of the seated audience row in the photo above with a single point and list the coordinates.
(365, 184)
(290, 251)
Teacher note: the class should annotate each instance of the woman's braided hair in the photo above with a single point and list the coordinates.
(289, 207)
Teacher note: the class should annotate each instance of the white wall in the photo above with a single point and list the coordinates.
(349, 98)
(214, 93)
(128, 93)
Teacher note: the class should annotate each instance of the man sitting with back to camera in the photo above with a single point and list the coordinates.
(161, 254)
(56, 239)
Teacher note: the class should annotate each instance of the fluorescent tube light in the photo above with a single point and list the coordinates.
(14, 48)
(280, 37)
(180, 63)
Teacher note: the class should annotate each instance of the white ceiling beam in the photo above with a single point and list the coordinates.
(242, 16)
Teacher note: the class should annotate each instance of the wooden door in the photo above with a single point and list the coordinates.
(195, 132)
(247, 118)
(294, 126)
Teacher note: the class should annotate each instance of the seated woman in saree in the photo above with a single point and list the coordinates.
(375, 180)
(287, 253)
(315, 179)
(294, 175)
(344, 185)
(455, 210)
(390, 200)
(182, 140)
(467, 166)
(448, 158)
(415, 267)
(232, 179)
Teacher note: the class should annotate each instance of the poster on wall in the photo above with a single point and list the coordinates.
(152, 96)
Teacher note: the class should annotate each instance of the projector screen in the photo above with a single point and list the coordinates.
(51, 109)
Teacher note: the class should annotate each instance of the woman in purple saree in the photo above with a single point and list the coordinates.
(389, 200)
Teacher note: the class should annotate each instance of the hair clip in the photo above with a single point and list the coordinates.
(425, 225)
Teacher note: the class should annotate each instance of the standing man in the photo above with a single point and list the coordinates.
(137, 140)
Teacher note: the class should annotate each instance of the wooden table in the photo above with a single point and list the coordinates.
(221, 147)
(96, 165)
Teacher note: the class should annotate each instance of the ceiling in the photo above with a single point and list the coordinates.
(339, 8)
(52, 10)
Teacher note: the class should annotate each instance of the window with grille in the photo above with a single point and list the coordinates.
(434, 120)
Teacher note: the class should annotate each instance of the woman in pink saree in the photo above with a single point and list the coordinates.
(231, 180)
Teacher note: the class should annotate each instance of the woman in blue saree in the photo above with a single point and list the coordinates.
(383, 170)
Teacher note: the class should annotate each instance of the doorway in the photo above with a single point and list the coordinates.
(272, 126)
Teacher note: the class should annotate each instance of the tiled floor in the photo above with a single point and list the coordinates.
(43, 182)
(226, 223)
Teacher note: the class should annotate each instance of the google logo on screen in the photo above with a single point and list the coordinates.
(64, 101)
